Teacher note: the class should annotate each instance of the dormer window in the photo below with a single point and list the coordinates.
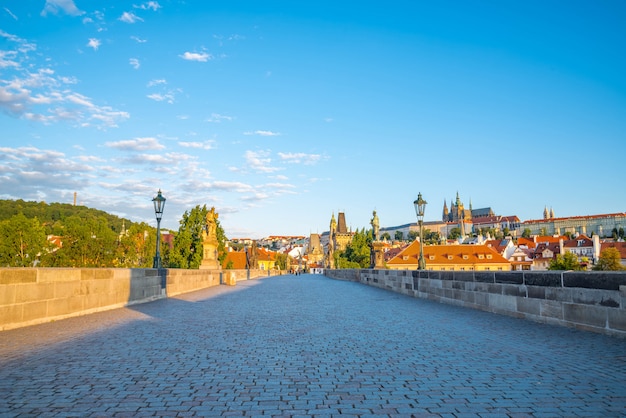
(431, 257)
(465, 257)
(450, 257)
(405, 257)
(488, 256)
(480, 256)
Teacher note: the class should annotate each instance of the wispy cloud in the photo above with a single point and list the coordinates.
(10, 13)
(156, 82)
(196, 56)
(57, 6)
(210, 144)
(262, 133)
(299, 158)
(151, 5)
(137, 144)
(138, 40)
(217, 118)
(37, 93)
(130, 17)
(260, 161)
(134, 62)
(94, 43)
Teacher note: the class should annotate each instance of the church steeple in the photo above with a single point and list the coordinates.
(445, 211)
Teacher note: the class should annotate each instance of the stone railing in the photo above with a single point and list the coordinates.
(593, 301)
(30, 296)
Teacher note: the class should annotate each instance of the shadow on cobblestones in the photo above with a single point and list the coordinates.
(307, 346)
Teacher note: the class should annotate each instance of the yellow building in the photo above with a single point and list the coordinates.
(450, 258)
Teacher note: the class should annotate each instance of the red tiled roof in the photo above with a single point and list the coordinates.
(608, 215)
(620, 246)
(449, 254)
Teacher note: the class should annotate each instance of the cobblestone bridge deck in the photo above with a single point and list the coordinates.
(307, 346)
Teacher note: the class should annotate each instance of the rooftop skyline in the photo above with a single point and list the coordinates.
(282, 114)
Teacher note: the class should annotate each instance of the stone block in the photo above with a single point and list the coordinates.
(31, 292)
(58, 275)
(617, 319)
(484, 277)
(7, 294)
(559, 294)
(464, 276)
(542, 278)
(34, 310)
(503, 303)
(607, 280)
(513, 290)
(551, 309)
(596, 297)
(18, 275)
(10, 314)
(536, 292)
(529, 306)
(509, 277)
(585, 314)
(468, 297)
(481, 299)
(494, 288)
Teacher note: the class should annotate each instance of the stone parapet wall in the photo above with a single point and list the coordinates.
(30, 296)
(593, 301)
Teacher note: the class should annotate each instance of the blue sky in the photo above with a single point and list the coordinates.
(281, 113)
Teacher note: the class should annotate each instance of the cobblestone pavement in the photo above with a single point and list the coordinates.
(307, 346)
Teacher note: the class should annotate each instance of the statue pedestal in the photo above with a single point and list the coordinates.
(209, 256)
(379, 255)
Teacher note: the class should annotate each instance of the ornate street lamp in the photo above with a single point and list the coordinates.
(159, 204)
(420, 206)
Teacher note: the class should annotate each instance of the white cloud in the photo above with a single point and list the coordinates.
(66, 6)
(217, 118)
(262, 133)
(10, 13)
(299, 157)
(37, 93)
(134, 62)
(129, 17)
(94, 43)
(195, 56)
(260, 161)
(151, 5)
(156, 82)
(210, 144)
(138, 40)
(162, 97)
(137, 144)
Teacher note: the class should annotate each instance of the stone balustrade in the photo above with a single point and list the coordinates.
(593, 301)
(30, 296)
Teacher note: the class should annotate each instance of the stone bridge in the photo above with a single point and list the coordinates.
(308, 345)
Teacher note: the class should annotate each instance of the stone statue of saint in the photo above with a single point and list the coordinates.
(211, 225)
(375, 225)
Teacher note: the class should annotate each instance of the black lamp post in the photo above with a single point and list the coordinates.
(420, 206)
(159, 204)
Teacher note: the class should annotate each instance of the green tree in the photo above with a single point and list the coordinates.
(399, 236)
(22, 240)
(610, 260)
(413, 235)
(281, 261)
(87, 242)
(188, 250)
(527, 233)
(137, 247)
(385, 236)
(358, 250)
(567, 261)
(454, 233)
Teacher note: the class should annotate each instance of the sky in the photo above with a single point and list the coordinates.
(282, 113)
